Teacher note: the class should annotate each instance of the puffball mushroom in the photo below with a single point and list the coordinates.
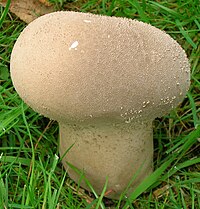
(104, 79)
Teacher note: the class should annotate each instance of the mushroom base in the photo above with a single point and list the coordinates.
(123, 153)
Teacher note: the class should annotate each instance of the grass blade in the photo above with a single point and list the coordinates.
(5, 12)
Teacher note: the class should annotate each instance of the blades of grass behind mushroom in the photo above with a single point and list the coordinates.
(5, 12)
(157, 176)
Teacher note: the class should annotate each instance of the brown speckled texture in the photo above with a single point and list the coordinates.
(120, 68)
(103, 75)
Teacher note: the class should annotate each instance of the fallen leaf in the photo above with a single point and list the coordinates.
(46, 2)
(28, 10)
(161, 191)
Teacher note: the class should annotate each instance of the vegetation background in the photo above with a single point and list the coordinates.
(31, 173)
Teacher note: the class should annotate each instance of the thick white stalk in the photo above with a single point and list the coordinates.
(100, 150)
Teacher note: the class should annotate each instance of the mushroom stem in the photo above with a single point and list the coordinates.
(120, 152)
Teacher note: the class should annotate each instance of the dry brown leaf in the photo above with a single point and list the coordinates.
(46, 3)
(28, 10)
(161, 191)
(79, 191)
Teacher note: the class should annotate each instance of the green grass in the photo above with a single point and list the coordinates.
(31, 173)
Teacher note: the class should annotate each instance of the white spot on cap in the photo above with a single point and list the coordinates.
(128, 120)
(74, 45)
(87, 21)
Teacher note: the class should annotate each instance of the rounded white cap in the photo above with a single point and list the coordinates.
(78, 66)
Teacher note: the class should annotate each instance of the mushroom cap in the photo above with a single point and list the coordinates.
(74, 66)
